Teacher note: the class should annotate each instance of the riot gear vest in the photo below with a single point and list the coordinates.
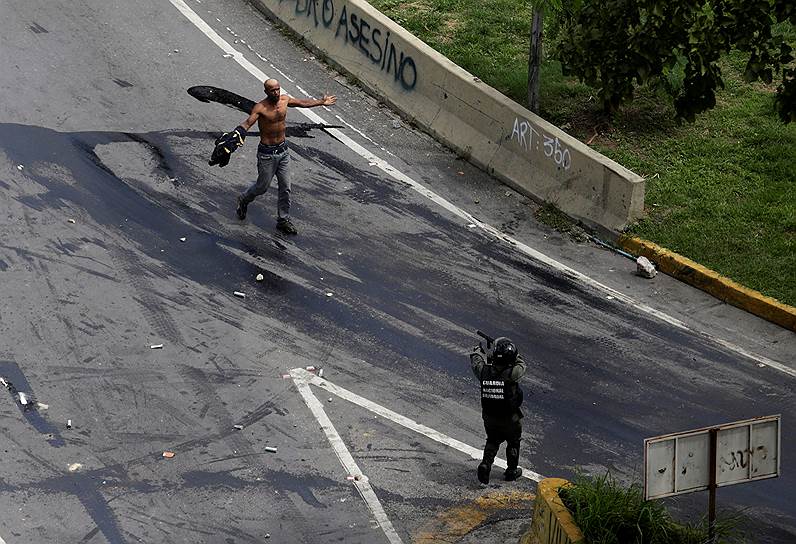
(499, 396)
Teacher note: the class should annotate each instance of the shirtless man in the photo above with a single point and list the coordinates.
(273, 157)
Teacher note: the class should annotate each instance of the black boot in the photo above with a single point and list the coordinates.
(483, 472)
(285, 225)
(241, 209)
(512, 474)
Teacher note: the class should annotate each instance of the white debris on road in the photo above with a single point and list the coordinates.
(645, 268)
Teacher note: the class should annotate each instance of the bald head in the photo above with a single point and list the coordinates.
(272, 89)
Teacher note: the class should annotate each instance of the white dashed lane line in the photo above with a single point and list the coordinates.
(394, 173)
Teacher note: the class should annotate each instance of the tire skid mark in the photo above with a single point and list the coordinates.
(154, 310)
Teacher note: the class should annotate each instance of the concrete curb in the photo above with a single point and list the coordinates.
(488, 129)
(711, 282)
(552, 522)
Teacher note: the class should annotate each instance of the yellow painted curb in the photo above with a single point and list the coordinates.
(711, 282)
(454, 524)
(552, 522)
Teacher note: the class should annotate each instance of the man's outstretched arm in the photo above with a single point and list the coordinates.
(251, 119)
(230, 141)
(327, 100)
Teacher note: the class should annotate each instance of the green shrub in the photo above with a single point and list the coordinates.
(609, 513)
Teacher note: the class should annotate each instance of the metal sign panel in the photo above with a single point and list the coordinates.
(680, 462)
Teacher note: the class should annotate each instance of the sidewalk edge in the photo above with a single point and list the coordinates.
(711, 282)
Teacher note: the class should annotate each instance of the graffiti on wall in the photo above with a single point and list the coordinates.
(530, 139)
(366, 36)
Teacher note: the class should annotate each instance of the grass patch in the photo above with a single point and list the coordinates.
(721, 191)
(609, 513)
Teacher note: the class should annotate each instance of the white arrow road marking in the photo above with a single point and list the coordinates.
(360, 480)
(412, 425)
(303, 378)
(396, 174)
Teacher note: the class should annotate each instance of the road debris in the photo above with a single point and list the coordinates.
(156, 346)
(168, 454)
(645, 268)
(239, 294)
(270, 449)
(259, 277)
(74, 467)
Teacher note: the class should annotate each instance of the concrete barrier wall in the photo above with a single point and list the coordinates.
(552, 523)
(487, 128)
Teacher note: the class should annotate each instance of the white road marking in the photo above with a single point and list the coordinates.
(396, 174)
(412, 425)
(362, 484)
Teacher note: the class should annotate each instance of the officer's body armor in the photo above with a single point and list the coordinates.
(499, 396)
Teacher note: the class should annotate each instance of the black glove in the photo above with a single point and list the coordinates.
(225, 145)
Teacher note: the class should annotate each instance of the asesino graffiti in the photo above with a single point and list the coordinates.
(365, 36)
(531, 139)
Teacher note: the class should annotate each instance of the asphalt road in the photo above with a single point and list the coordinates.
(103, 169)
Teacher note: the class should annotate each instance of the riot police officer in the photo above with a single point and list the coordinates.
(499, 370)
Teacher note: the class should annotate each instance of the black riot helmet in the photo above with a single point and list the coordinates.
(505, 352)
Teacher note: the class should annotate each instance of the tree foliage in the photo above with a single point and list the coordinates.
(614, 45)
